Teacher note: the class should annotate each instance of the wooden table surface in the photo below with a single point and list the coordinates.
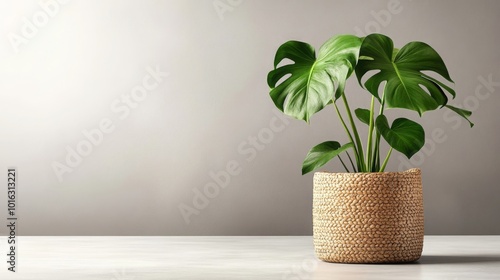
(256, 258)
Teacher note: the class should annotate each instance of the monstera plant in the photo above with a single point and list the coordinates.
(366, 216)
(413, 77)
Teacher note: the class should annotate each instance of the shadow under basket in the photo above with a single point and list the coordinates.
(368, 217)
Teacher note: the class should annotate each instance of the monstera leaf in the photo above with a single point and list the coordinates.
(463, 113)
(363, 115)
(405, 136)
(407, 86)
(322, 153)
(307, 85)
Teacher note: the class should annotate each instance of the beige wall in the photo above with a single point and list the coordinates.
(168, 98)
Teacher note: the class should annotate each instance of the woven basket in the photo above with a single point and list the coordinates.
(368, 217)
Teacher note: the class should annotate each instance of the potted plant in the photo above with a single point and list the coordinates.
(364, 215)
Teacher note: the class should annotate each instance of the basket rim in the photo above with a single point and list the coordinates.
(411, 170)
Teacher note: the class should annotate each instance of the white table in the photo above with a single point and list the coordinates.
(256, 258)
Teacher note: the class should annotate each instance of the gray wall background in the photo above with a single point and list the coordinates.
(71, 70)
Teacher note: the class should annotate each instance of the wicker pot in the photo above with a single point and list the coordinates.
(368, 217)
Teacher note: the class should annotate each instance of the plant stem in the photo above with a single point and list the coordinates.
(356, 154)
(369, 141)
(376, 152)
(341, 161)
(356, 135)
(376, 157)
(386, 160)
(350, 159)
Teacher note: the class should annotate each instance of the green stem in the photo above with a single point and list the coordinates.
(386, 160)
(356, 154)
(341, 161)
(350, 159)
(370, 134)
(376, 157)
(355, 132)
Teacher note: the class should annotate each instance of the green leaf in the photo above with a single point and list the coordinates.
(406, 85)
(307, 85)
(363, 115)
(405, 136)
(462, 112)
(321, 154)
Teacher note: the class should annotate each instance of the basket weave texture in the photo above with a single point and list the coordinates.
(368, 217)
